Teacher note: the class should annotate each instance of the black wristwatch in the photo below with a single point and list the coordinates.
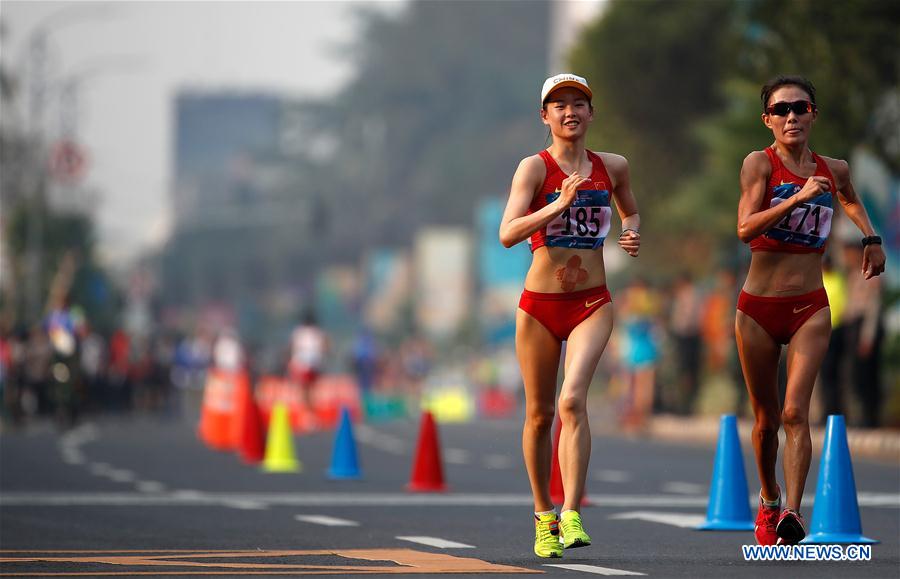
(870, 240)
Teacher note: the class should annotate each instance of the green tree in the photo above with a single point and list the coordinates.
(655, 67)
(678, 93)
(443, 105)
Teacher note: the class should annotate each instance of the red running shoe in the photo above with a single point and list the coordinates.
(767, 521)
(790, 528)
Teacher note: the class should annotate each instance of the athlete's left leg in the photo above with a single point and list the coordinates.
(804, 358)
(583, 350)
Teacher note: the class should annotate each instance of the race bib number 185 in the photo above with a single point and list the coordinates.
(584, 225)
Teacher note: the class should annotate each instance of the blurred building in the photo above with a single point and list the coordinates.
(242, 216)
(217, 138)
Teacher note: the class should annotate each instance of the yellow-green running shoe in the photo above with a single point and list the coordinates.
(546, 536)
(571, 533)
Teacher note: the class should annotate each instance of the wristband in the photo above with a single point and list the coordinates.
(871, 240)
(638, 232)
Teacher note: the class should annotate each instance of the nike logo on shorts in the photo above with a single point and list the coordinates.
(593, 303)
(798, 310)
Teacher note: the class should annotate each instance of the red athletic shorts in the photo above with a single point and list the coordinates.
(560, 313)
(302, 375)
(782, 317)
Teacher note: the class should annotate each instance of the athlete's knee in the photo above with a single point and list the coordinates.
(540, 417)
(794, 417)
(767, 425)
(572, 407)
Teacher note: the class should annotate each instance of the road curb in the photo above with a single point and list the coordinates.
(879, 444)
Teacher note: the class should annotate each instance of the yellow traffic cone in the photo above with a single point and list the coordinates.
(279, 443)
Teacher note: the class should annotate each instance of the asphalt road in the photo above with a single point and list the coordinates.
(142, 495)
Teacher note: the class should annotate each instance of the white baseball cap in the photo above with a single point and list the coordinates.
(563, 80)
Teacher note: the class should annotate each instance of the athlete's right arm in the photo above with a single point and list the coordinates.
(517, 224)
(753, 221)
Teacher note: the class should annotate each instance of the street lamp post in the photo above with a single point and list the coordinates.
(35, 180)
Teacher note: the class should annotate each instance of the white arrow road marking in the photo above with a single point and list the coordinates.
(326, 520)
(596, 570)
(437, 542)
(682, 520)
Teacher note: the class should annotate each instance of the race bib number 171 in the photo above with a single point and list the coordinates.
(808, 224)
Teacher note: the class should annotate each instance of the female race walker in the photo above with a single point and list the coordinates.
(785, 212)
(560, 201)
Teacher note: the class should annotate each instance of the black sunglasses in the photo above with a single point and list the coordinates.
(782, 109)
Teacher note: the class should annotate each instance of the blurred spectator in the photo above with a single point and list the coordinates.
(864, 335)
(718, 334)
(228, 354)
(118, 380)
(65, 369)
(309, 345)
(834, 365)
(38, 354)
(365, 360)
(416, 356)
(94, 362)
(684, 327)
(640, 308)
(11, 351)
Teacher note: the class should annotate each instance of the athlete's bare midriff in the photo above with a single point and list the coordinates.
(779, 274)
(563, 270)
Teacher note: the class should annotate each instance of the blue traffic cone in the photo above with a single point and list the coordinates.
(729, 504)
(344, 463)
(836, 511)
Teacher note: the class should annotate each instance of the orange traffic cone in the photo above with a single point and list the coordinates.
(241, 392)
(251, 443)
(428, 470)
(557, 493)
(217, 411)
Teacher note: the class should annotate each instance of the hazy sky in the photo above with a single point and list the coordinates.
(140, 54)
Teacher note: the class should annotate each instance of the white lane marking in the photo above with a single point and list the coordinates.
(612, 476)
(437, 542)
(456, 456)
(497, 461)
(326, 520)
(683, 520)
(683, 488)
(100, 468)
(595, 570)
(121, 475)
(80, 434)
(247, 505)
(149, 486)
(73, 456)
(197, 498)
(877, 499)
(191, 495)
(365, 434)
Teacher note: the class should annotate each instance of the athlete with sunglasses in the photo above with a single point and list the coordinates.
(785, 214)
(561, 202)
